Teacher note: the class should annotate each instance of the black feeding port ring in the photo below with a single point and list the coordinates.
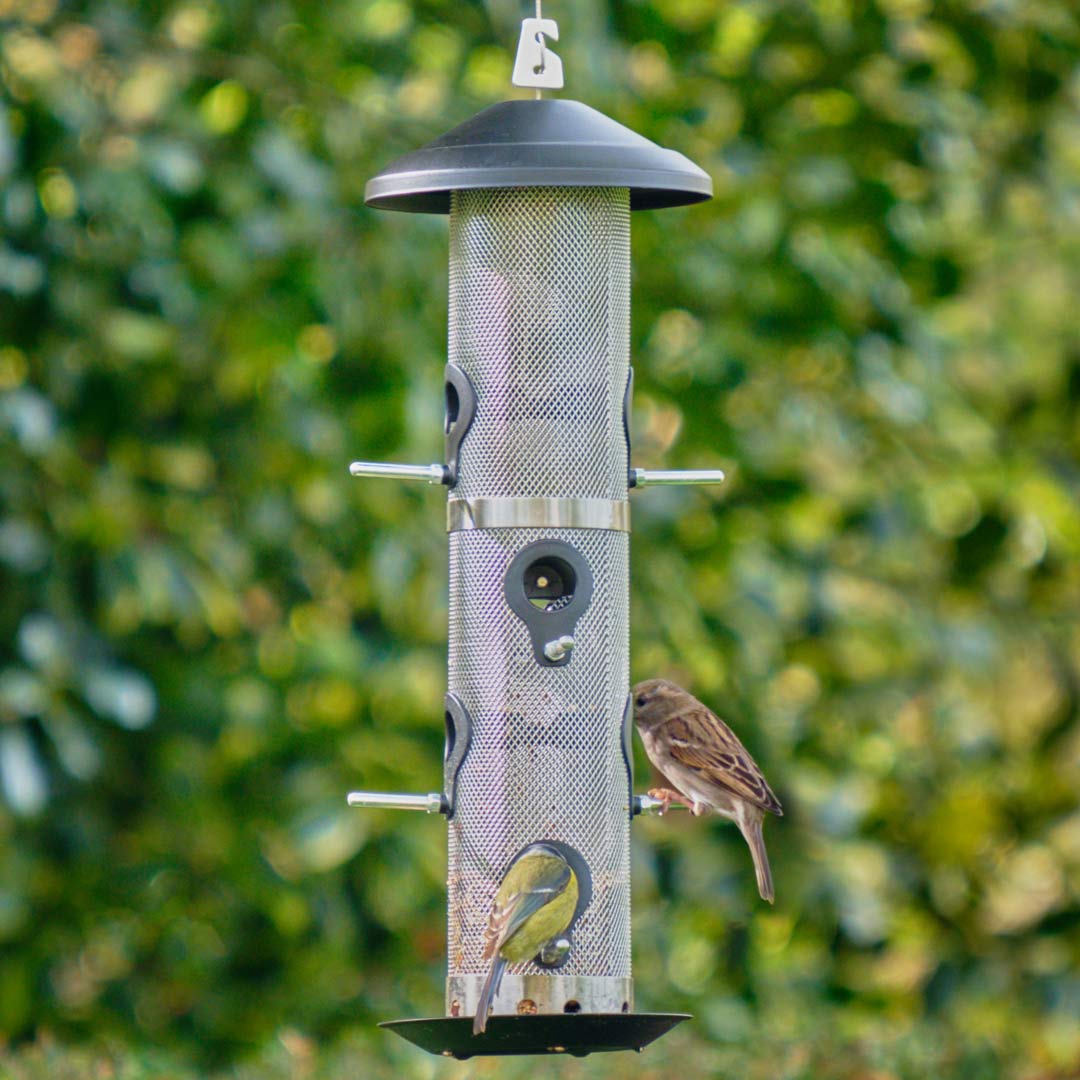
(549, 585)
(458, 740)
(460, 410)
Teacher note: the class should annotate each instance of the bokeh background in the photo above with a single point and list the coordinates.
(209, 633)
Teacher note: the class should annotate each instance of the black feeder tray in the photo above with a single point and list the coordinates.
(579, 1035)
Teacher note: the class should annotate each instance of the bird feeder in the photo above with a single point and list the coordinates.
(537, 468)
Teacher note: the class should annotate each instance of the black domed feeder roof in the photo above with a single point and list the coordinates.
(545, 143)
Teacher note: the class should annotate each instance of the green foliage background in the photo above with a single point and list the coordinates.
(208, 633)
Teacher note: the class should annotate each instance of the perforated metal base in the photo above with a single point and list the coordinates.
(550, 994)
(586, 1033)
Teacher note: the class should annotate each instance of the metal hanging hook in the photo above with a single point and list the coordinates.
(535, 64)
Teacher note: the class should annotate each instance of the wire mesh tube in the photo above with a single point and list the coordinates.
(539, 321)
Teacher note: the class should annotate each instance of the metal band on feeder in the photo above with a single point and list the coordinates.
(539, 194)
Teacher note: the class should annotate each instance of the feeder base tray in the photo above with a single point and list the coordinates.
(579, 1034)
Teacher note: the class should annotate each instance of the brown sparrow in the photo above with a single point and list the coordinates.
(698, 753)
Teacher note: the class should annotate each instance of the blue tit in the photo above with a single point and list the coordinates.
(535, 903)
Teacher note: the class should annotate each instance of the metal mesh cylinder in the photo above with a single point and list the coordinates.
(539, 321)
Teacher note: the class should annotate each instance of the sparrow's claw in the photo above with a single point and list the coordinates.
(666, 796)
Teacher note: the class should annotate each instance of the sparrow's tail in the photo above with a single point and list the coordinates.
(750, 825)
(487, 994)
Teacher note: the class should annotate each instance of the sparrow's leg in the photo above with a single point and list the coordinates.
(666, 796)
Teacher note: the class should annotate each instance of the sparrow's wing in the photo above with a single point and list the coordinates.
(508, 917)
(702, 742)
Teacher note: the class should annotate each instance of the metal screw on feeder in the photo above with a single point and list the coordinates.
(538, 712)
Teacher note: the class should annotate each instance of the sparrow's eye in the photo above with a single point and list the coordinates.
(640, 701)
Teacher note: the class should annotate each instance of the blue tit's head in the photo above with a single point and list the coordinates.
(541, 849)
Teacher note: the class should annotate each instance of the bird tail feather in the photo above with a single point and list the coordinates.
(751, 830)
(487, 994)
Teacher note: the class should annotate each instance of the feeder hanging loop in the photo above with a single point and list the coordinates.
(536, 65)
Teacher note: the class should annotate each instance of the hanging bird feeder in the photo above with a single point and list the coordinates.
(537, 467)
